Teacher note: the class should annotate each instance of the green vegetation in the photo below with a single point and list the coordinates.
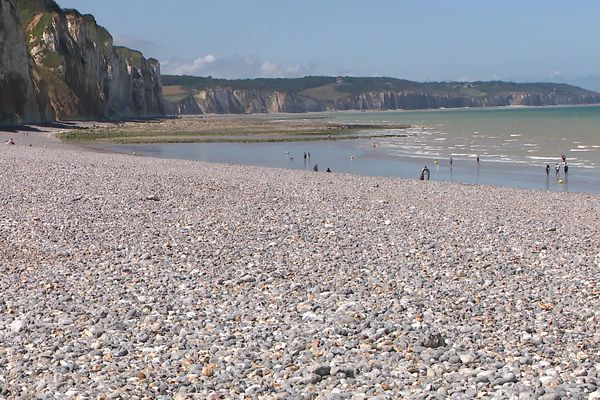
(30, 8)
(326, 92)
(133, 57)
(174, 94)
(52, 59)
(104, 39)
(55, 83)
(125, 137)
(175, 98)
(283, 84)
(165, 133)
(42, 25)
(323, 88)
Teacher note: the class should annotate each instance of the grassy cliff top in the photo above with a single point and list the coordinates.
(133, 57)
(30, 8)
(328, 88)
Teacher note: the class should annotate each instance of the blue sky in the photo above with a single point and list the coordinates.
(424, 40)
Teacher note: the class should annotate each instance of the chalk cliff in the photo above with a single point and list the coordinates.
(192, 95)
(18, 94)
(69, 68)
(230, 101)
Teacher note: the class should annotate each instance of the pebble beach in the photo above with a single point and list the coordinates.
(123, 277)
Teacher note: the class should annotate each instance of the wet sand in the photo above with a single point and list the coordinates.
(227, 128)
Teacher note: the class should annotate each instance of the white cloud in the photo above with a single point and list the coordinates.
(235, 67)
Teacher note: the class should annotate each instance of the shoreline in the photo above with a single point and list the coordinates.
(47, 137)
(368, 163)
(250, 129)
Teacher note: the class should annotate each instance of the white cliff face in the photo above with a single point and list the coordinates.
(18, 100)
(105, 81)
(234, 101)
(71, 69)
(230, 101)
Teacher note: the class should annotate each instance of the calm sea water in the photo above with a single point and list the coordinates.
(514, 146)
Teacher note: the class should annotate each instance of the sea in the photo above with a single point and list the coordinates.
(514, 146)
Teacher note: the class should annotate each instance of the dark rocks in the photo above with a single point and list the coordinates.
(434, 341)
(322, 370)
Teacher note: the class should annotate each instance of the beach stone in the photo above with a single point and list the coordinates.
(467, 358)
(322, 370)
(434, 341)
(18, 325)
(594, 395)
(484, 376)
(224, 292)
(549, 396)
(347, 372)
(121, 352)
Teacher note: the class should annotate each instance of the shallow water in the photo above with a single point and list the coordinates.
(513, 135)
(514, 145)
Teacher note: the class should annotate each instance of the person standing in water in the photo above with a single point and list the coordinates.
(424, 174)
(477, 160)
(547, 169)
(557, 168)
(451, 161)
(566, 170)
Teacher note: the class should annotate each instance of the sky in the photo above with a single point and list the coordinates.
(422, 40)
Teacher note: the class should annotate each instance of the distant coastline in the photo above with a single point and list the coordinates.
(198, 95)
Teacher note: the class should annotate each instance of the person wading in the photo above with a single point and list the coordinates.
(425, 174)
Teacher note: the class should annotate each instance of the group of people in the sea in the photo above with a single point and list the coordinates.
(565, 167)
(316, 168)
(306, 159)
(426, 173)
